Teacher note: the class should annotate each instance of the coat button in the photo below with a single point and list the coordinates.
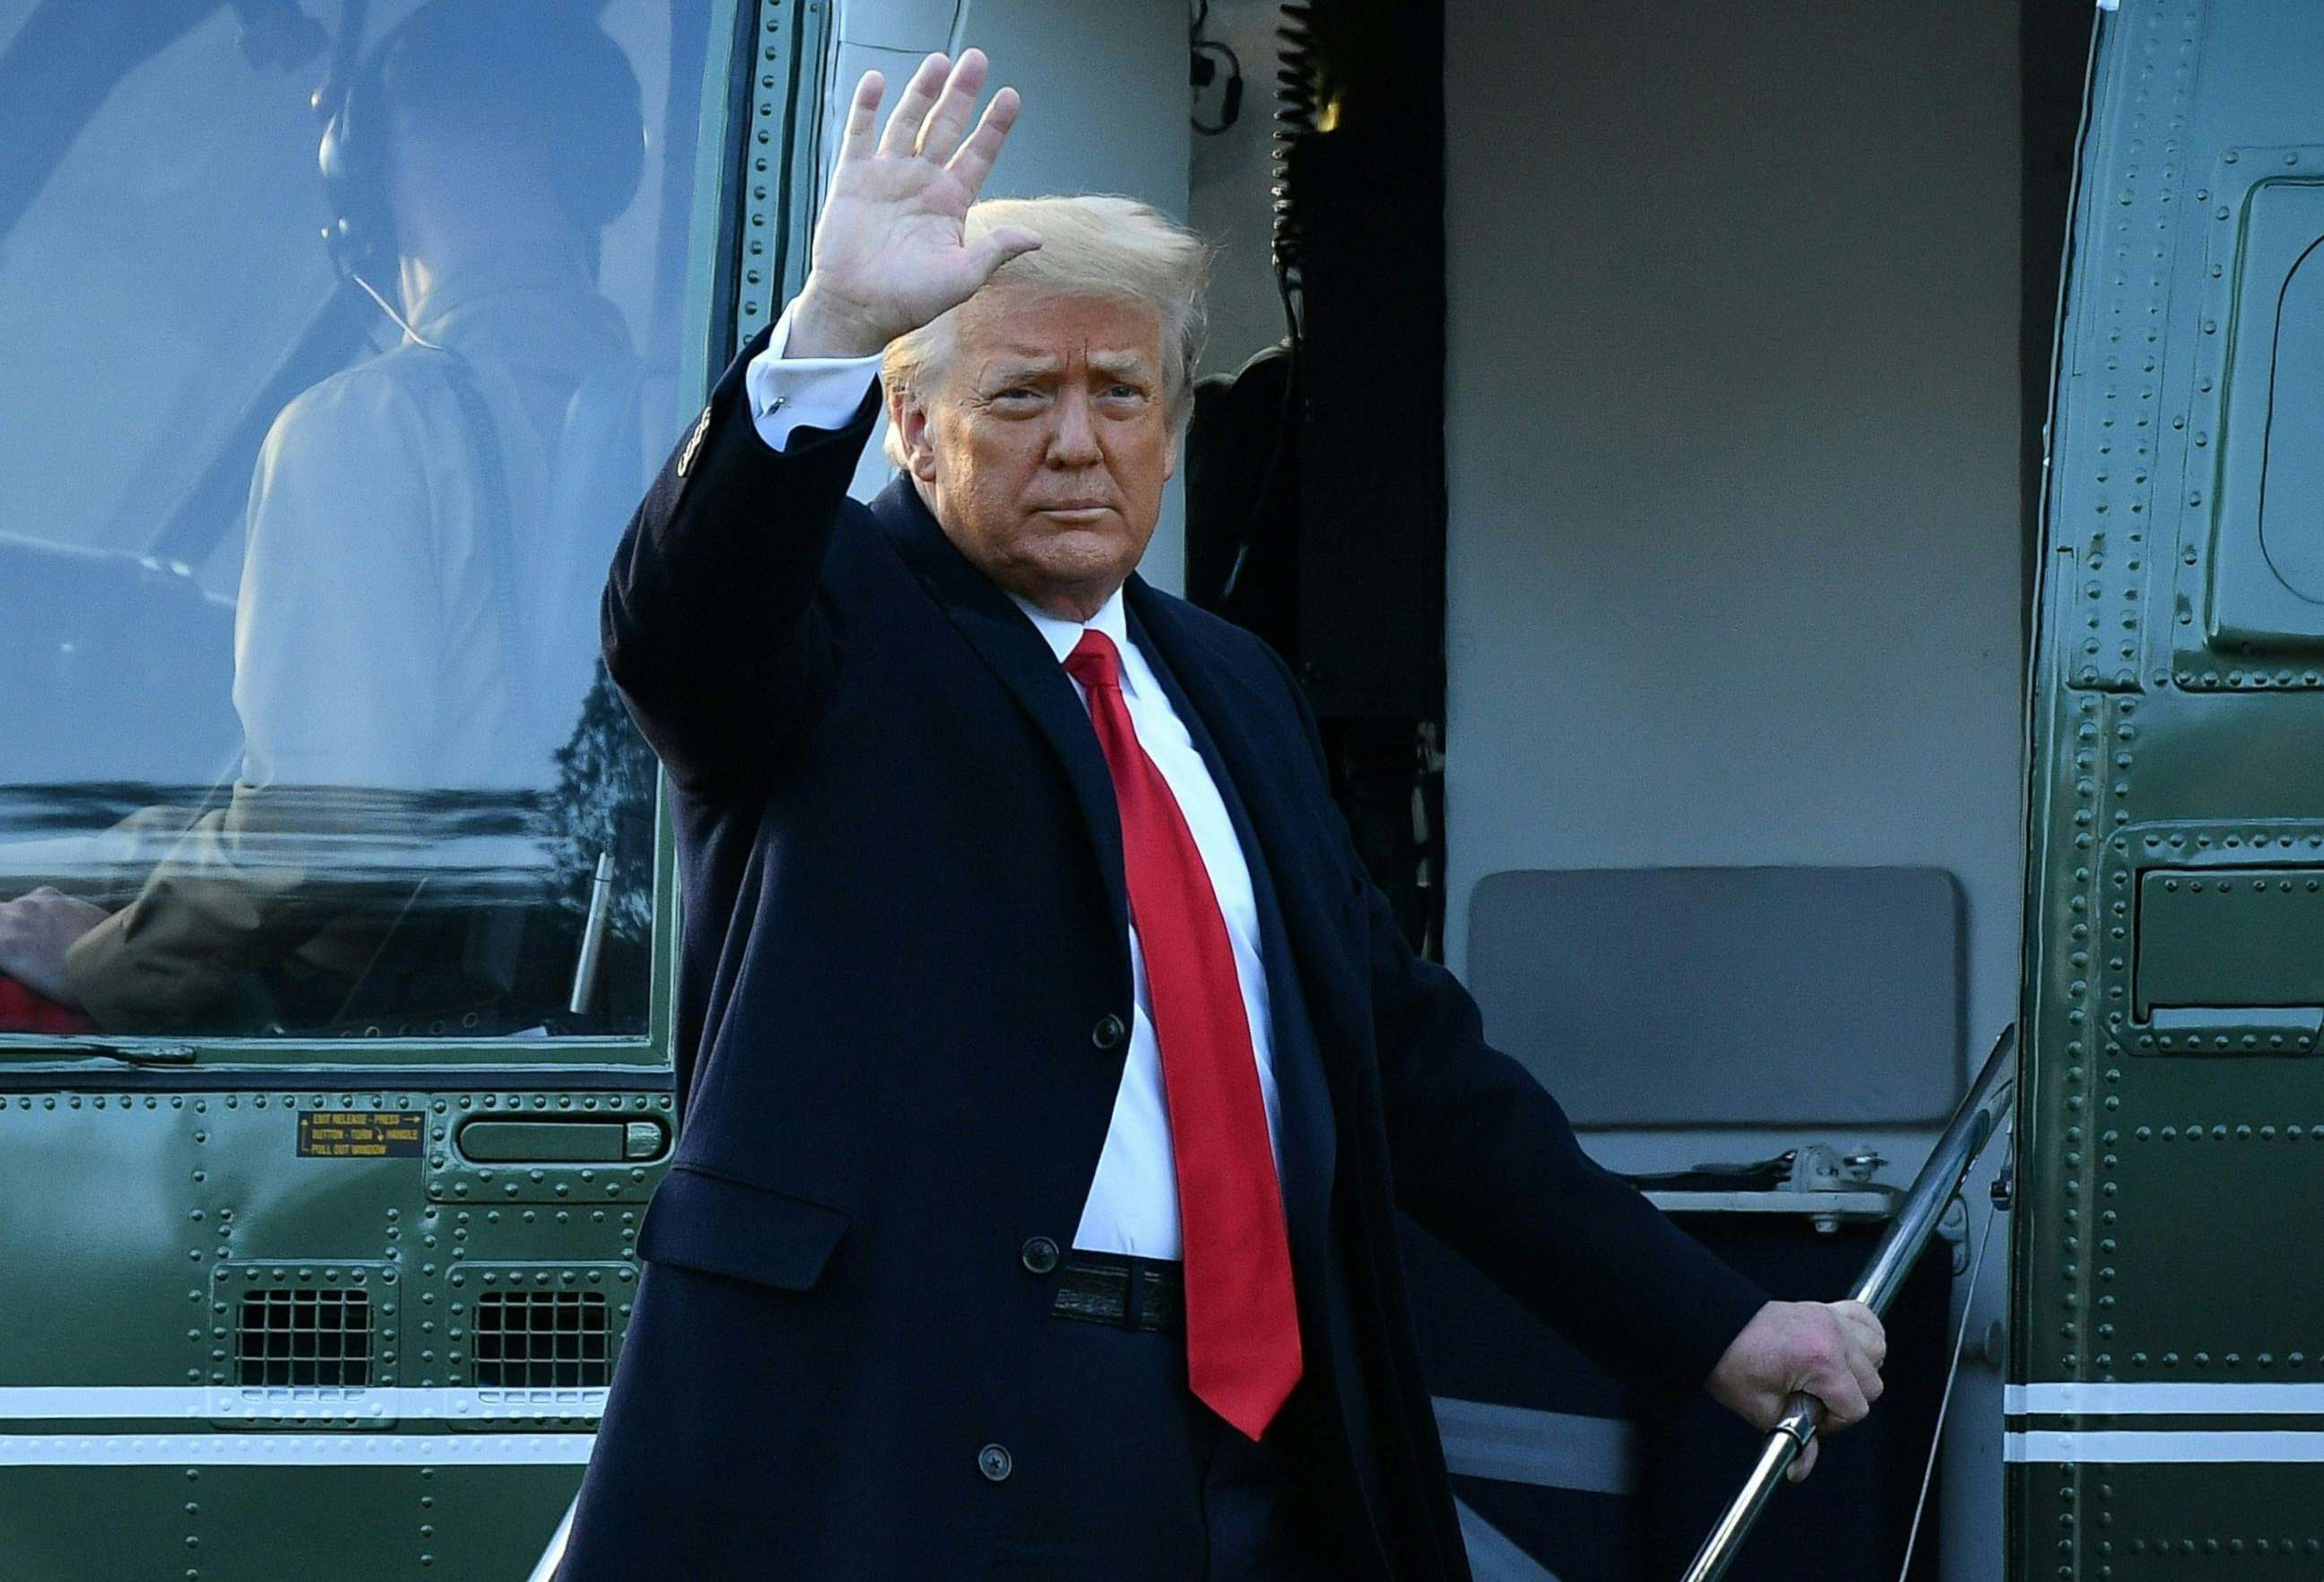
(1039, 1255)
(994, 1463)
(1109, 1032)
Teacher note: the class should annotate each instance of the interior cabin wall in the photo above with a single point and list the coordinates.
(1735, 549)
(1733, 420)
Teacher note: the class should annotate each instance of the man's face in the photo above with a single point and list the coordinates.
(1044, 449)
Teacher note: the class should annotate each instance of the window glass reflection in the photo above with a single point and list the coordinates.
(309, 470)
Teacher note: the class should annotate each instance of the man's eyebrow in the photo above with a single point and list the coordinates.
(1121, 363)
(1019, 368)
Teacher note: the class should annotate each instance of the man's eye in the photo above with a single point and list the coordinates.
(1126, 392)
(1017, 392)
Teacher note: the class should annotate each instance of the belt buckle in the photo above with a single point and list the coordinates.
(1133, 1294)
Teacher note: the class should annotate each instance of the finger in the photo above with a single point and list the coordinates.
(1843, 1397)
(863, 117)
(1865, 1340)
(975, 160)
(1876, 1336)
(1867, 1373)
(1858, 1317)
(1805, 1463)
(903, 133)
(954, 108)
(997, 249)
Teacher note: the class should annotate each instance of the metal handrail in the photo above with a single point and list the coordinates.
(544, 1569)
(1972, 1127)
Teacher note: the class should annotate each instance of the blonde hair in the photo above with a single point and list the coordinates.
(1091, 245)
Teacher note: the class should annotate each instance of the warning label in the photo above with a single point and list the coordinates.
(359, 1133)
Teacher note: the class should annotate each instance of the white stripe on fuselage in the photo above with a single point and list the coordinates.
(2129, 1446)
(2162, 1399)
(132, 1402)
(303, 1449)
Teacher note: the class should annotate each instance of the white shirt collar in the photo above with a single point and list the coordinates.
(1064, 636)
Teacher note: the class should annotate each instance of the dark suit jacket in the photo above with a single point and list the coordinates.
(899, 1043)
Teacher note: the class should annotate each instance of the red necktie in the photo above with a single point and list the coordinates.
(1242, 1320)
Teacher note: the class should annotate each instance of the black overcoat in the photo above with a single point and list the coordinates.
(905, 975)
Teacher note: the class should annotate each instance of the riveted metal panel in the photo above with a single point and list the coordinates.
(778, 195)
(352, 1524)
(2246, 598)
(2116, 456)
(2229, 938)
(2168, 1120)
(2264, 588)
(2176, 1522)
(148, 1222)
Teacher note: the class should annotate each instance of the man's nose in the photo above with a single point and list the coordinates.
(1075, 441)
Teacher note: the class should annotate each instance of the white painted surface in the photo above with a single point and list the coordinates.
(2140, 1447)
(2070, 1398)
(98, 1402)
(266, 1450)
(1734, 546)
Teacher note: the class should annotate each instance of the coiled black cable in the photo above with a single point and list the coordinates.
(1297, 103)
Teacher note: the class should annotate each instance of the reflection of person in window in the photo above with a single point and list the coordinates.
(386, 648)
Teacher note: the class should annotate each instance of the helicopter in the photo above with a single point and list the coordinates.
(1792, 519)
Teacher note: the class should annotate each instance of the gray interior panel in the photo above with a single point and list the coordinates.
(1727, 997)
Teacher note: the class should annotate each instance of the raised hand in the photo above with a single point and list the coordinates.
(890, 253)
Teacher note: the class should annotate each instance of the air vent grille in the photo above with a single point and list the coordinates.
(542, 1340)
(312, 1338)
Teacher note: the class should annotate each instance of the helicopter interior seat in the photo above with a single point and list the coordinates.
(1738, 996)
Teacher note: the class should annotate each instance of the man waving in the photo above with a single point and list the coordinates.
(1053, 1075)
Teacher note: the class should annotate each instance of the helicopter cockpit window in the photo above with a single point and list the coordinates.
(310, 468)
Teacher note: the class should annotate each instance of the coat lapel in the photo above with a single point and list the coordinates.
(1008, 643)
(1310, 885)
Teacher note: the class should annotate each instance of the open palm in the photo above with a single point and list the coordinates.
(891, 252)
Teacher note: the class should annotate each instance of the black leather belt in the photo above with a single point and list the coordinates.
(1128, 1294)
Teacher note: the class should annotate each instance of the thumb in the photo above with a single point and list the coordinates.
(992, 252)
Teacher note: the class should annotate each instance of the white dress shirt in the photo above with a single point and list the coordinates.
(1133, 1202)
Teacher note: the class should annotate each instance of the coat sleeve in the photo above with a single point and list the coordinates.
(710, 625)
(1485, 1160)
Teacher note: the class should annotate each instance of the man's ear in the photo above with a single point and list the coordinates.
(909, 417)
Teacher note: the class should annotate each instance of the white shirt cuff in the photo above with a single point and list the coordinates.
(789, 393)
